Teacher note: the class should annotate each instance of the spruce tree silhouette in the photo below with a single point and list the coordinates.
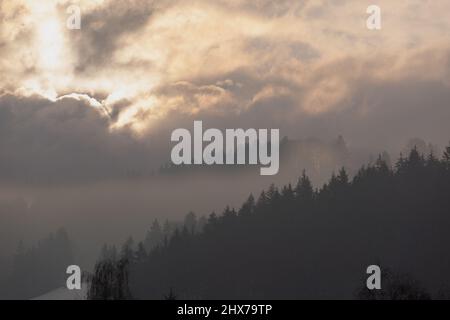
(313, 243)
(39, 269)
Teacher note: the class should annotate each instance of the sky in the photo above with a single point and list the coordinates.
(81, 111)
(110, 93)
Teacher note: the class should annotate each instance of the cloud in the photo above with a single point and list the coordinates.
(138, 69)
(62, 141)
(103, 28)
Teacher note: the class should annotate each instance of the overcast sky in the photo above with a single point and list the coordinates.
(89, 102)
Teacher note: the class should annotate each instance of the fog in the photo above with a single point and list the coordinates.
(86, 115)
(109, 211)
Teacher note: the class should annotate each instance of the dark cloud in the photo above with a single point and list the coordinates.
(64, 141)
(71, 140)
(379, 108)
(103, 28)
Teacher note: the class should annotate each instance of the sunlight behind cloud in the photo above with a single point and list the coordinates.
(137, 51)
(50, 45)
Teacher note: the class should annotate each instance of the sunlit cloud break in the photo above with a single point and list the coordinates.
(131, 50)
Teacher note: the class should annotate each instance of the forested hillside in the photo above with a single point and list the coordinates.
(301, 242)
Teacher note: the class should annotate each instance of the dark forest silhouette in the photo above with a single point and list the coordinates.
(301, 242)
(39, 269)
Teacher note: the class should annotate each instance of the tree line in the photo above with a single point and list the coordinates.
(40, 268)
(298, 241)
